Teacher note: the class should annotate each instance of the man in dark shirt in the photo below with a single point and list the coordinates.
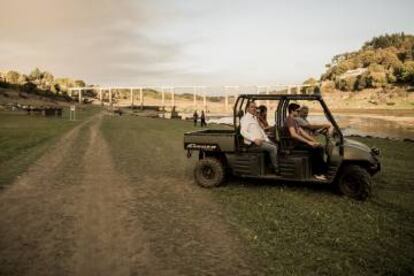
(295, 131)
(302, 140)
(311, 129)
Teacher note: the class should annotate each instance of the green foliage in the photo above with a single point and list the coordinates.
(363, 81)
(29, 87)
(215, 99)
(346, 84)
(47, 77)
(387, 59)
(36, 74)
(388, 40)
(408, 72)
(310, 81)
(79, 83)
(12, 77)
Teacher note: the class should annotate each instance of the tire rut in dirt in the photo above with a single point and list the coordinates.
(109, 240)
(187, 229)
(34, 223)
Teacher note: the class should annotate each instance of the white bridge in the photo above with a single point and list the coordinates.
(197, 91)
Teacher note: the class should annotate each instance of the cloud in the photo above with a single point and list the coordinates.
(94, 40)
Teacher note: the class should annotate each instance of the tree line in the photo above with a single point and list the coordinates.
(385, 60)
(38, 80)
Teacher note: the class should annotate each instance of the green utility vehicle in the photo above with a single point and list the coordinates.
(223, 152)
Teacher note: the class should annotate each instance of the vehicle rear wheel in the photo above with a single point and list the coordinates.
(355, 182)
(209, 173)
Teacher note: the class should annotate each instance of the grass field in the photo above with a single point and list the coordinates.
(292, 229)
(288, 228)
(303, 229)
(25, 138)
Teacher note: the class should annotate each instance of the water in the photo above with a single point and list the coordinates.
(354, 125)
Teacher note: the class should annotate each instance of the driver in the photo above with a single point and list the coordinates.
(302, 140)
(311, 129)
(253, 134)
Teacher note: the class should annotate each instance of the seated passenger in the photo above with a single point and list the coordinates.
(303, 122)
(302, 140)
(262, 119)
(253, 134)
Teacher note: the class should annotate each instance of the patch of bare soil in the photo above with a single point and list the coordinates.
(73, 213)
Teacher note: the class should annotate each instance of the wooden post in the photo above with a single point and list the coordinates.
(141, 98)
(172, 97)
(162, 97)
(195, 97)
(132, 97)
(100, 95)
(110, 97)
(80, 95)
(205, 101)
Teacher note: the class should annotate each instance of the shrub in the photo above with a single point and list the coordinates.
(346, 84)
(12, 77)
(408, 72)
(362, 81)
(328, 86)
(36, 74)
(29, 87)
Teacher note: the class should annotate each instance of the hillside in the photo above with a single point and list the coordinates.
(36, 88)
(385, 61)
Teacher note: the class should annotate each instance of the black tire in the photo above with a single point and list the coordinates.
(209, 173)
(354, 182)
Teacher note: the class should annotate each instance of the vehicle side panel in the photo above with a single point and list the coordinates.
(224, 140)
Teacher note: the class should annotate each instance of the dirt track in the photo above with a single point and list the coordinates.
(73, 213)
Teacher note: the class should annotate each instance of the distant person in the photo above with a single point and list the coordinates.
(254, 134)
(195, 117)
(302, 140)
(303, 122)
(203, 119)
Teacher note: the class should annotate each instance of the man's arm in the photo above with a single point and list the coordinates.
(299, 137)
(306, 136)
(318, 126)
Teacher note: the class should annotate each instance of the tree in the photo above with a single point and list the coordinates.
(23, 79)
(47, 78)
(388, 59)
(79, 83)
(377, 75)
(408, 72)
(12, 77)
(36, 74)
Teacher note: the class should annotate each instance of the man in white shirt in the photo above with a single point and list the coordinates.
(254, 134)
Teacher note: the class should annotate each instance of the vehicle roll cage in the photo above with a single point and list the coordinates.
(281, 112)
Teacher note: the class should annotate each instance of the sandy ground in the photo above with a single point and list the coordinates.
(73, 213)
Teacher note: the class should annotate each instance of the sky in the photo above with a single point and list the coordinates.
(179, 42)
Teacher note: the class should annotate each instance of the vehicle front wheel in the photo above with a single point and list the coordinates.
(209, 173)
(355, 182)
